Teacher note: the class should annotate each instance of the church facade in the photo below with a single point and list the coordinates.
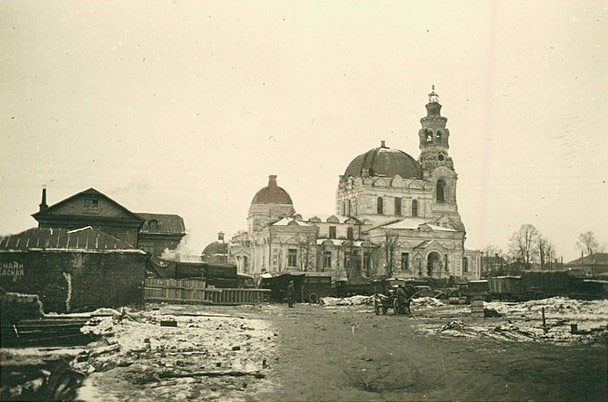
(394, 216)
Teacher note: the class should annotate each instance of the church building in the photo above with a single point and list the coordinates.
(394, 216)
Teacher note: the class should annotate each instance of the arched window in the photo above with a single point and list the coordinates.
(350, 234)
(429, 136)
(397, 206)
(438, 137)
(347, 211)
(414, 207)
(440, 190)
(153, 224)
(343, 207)
(380, 206)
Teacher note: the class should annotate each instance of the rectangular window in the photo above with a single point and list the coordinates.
(327, 259)
(397, 206)
(405, 261)
(332, 232)
(91, 206)
(367, 261)
(292, 257)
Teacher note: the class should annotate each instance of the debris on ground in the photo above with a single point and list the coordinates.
(566, 321)
(144, 351)
(426, 302)
(29, 374)
(347, 301)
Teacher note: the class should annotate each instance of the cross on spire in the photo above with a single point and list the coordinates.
(433, 97)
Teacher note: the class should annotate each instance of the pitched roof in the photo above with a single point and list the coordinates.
(597, 258)
(85, 239)
(290, 222)
(90, 191)
(165, 223)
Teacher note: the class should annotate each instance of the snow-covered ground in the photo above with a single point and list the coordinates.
(523, 322)
(161, 358)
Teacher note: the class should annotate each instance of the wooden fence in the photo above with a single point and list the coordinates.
(189, 291)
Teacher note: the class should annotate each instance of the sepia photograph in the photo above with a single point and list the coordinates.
(274, 200)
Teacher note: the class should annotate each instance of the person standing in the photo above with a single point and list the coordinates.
(291, 293)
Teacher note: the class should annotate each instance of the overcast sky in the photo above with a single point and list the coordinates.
(187, 106)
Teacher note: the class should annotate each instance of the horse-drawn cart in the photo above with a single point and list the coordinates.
(399, 304)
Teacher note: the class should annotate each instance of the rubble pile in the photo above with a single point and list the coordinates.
(200, 354)
(562, 307)
(347, 301)
(38, 374)
(566, 321)
(421, 303)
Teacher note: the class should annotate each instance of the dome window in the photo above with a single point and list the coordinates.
(440, 190)
(153, 224)
(440, 157)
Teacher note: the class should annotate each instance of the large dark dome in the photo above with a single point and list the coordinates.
(272, 194)
(384, 161)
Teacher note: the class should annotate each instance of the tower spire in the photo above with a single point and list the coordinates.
(433, 97)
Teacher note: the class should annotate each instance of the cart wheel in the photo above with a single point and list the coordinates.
(376, 307)
(395, 306)
(313, 297)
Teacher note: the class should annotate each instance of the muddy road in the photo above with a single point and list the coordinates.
(334, 353)
(352, 354)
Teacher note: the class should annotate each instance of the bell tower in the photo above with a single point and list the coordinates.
(437, 165)
(434, 137)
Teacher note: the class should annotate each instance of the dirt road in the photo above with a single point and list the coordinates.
(352, 354)
(334, 353)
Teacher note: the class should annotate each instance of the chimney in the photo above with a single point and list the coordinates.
(43, 204)
(272, 180)
(382, 144)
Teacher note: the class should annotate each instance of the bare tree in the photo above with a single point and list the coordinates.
(587, 243)
(546, 251)
(524, 243)
(390, 245)
(304, 246)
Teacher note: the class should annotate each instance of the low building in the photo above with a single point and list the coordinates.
(160, 232)
(153, 233)
(591, 265)
(72, 270)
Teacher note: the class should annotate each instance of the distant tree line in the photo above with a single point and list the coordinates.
(530, 249)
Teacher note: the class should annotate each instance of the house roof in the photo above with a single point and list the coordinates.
(166, 223)
(90, 191)
(597, 258)
(85, 239)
